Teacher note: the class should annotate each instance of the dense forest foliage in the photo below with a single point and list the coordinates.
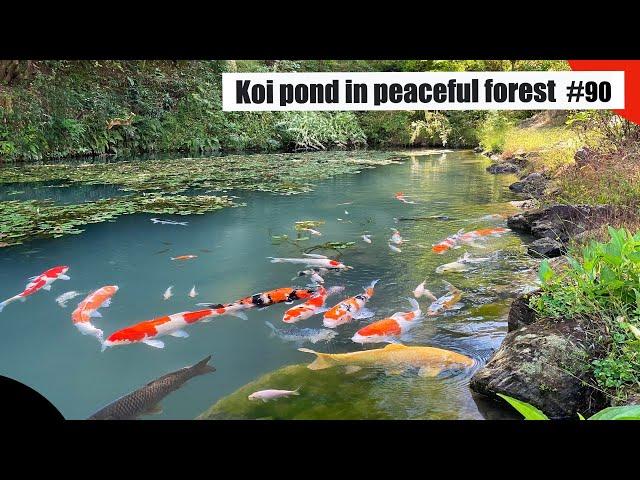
(56, 109)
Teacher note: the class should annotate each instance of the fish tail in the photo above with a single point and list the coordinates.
(450, 287)
(276, 260)
(371, 286)
(201, 367)
(273, 329)
(322, 361)
(415, 305)
(296, 391)
(8, 301)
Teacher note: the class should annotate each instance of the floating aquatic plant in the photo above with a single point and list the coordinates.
(25, 220)
(160, 186)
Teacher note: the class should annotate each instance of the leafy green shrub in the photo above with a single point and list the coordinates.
(602, 282)
(386, 128)
(493, 131)
(529, 412)
(320, 130)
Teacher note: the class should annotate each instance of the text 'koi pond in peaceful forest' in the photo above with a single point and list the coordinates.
(187, 243)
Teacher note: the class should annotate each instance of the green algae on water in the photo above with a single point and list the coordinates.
(276, 173)
(26, 220)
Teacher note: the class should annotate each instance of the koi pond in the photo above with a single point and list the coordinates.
(96, 218)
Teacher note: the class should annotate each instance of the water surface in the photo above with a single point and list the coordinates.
(41, 348)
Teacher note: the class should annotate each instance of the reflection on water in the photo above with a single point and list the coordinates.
(41, 348)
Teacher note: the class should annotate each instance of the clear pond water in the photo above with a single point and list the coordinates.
(41, 348)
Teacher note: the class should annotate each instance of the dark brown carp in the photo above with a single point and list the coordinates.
(146, 400)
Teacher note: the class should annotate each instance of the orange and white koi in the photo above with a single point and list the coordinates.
(468, 237)
(42, 281)
(312, 260)
(353, 307)
(88, 309)
(391, 328)
(265, 299)
(149, 331)
(446, 302)
(184, 257)
(313, 306)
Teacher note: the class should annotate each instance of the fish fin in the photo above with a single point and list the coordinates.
(363, 313)
(349, 369)
(450, 287)
(202, 366)
(322, 359)
(154, 410)
(23, 299)
(465, 257)
(429, 371)
(457, 306)
(373, 284)
(314, 255)
(64, 277)
(106, 303)
(240, 315)
(179, 334)
(321, 310)
(154, 343)
(273, 329)
(47, 287)
(414, 303)
(95, 314)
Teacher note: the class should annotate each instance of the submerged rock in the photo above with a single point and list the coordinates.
(546, 364)
(545, 248)
(334, 394)
(503, 167)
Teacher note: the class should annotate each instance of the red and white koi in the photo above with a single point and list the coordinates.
(395, 237)
(313, 306)
(391, 328)
(42, 281)
(401, 196)
(353, 307)
(149, 331)
(469, 237)
(313, 260)
(88, 309)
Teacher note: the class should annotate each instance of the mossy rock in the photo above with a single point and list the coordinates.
(336, 395)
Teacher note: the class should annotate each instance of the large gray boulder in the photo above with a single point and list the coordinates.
(546, 364)
(560, 222)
